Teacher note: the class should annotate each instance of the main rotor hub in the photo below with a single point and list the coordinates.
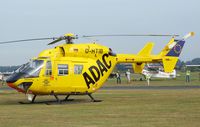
(69, 37)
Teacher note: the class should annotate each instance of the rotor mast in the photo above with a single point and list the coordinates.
(69, 37)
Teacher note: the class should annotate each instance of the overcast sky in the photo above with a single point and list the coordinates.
(22, 19)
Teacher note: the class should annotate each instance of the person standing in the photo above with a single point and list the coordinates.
(199, 76)
(128, 76)
(148, 76)
(188, 76)
(118, 78)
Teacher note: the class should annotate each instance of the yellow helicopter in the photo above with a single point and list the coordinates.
(81, 69)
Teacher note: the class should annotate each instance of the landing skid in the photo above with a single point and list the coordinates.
(90, 95)
(58, 101)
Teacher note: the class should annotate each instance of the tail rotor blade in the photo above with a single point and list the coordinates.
(188, 35)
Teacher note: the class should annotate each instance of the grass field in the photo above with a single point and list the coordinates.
(119, 108)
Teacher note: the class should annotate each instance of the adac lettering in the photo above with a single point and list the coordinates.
(97, 71)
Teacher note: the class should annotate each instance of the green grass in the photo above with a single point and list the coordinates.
(119, 108)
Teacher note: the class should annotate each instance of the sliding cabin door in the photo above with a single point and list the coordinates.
(78, 81)
(63, 77)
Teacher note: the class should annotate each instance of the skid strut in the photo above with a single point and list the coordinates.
(58, 100)
(92, 98)
(66, 98)
(33, 100)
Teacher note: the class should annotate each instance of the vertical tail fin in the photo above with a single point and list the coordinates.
(172, 51)
(170, 59)
(146, 51)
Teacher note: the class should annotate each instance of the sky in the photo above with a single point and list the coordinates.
(23, 19)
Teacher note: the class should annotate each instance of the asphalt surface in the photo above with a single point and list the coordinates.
(138, 87)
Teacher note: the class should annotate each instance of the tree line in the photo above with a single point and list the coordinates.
(8, 68)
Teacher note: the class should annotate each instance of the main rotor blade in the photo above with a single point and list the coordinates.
(136, 35)
(57, 40)
(34, 39)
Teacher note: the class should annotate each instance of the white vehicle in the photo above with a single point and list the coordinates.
(1, 77)
(4, 75)
(154, 71)
(158, 73)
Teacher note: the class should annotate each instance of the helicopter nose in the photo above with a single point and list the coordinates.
(12, 85)
(13, 78)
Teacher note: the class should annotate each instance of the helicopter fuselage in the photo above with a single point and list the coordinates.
(65, 69)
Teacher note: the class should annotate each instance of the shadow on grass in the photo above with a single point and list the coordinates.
(11, 101)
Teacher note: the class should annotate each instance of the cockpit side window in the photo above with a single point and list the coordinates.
(78, 69)
(48, 71)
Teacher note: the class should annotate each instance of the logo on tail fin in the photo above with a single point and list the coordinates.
(176, 50)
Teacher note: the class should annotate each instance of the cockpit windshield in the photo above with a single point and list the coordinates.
(31, 69)
(28, 70)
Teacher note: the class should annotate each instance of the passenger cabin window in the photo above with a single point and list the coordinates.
(78, 69)
(48, 68)
(63, 69)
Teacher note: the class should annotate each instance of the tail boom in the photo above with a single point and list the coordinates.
(168, 56)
